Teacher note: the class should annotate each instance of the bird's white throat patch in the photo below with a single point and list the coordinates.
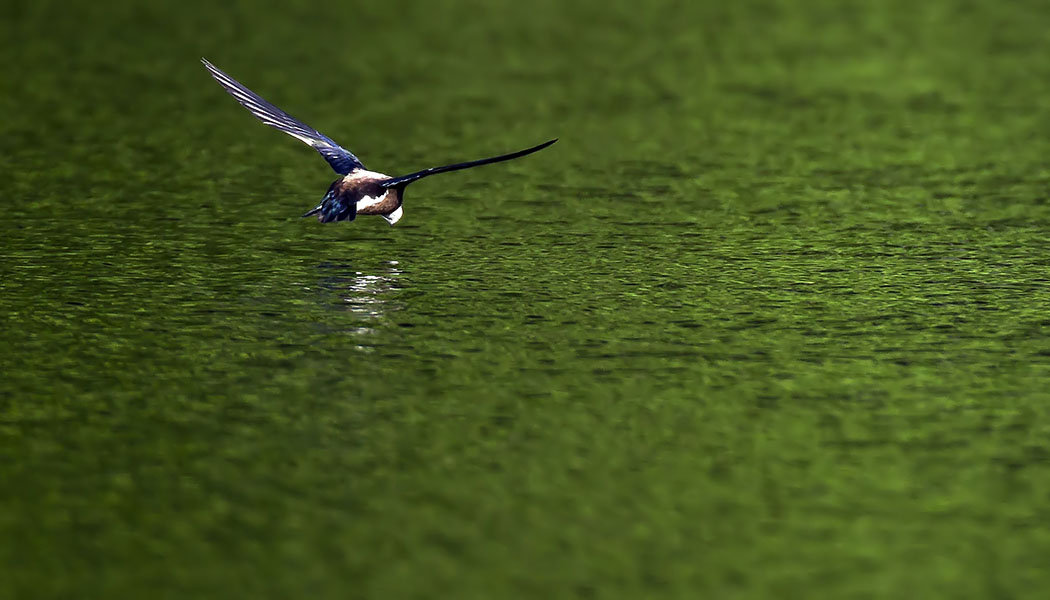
(395, 216)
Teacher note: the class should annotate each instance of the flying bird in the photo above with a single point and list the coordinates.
(359, 191)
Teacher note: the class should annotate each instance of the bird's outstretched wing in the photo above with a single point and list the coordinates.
(341, 159)
(404, 180)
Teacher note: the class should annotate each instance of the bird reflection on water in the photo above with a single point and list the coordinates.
(365, 295)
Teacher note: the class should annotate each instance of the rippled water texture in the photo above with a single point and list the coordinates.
(769, 321)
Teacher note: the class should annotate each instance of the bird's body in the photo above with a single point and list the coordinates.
(359, 191)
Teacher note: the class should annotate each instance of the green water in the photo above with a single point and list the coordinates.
(770, 321)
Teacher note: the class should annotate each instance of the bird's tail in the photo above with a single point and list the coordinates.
(334, 207)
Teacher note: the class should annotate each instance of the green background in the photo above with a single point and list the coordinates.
(770, 320)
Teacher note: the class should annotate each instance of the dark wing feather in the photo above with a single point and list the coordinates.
(341, 159)
(404, 180)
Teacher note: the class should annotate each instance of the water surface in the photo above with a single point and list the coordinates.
(770, 320)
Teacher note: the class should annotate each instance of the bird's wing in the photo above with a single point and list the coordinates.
(341, 159)
(404, 180)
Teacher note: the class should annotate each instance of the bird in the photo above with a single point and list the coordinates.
(358, 191)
